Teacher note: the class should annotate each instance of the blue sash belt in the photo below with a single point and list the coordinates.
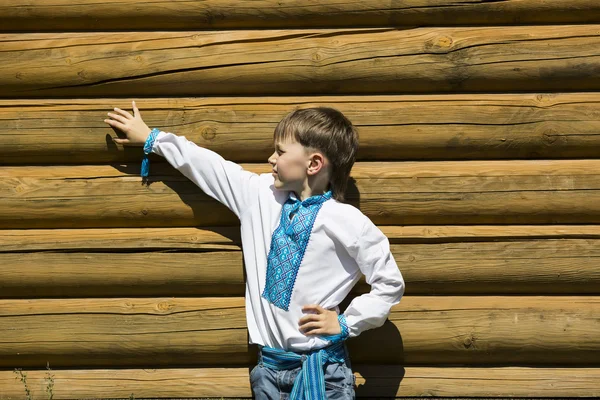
(310, 381)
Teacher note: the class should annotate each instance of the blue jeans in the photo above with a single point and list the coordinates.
(271, 384)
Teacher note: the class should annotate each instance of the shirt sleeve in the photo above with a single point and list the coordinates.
(371, 250)
(223, 180)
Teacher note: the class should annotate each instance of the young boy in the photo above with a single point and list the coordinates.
(304, 249)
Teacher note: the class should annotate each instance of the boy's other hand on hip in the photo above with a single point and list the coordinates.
(319, 321)
(132, 126)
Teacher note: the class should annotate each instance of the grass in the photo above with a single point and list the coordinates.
(49, 389)
(49, 379)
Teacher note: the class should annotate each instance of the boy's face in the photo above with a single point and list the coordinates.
(290, 162)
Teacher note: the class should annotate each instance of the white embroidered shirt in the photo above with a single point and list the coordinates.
(322, 265)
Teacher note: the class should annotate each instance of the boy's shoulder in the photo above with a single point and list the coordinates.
(345, 217)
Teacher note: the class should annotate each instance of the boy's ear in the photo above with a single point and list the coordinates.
(317, 161)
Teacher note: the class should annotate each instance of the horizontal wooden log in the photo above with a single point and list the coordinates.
(35, 275)
(390, 193)
(371, 380)
(212, 331)
(228, 238)
(408, 127)
(308, 61)
(137, 15)
(204, 264)
(131, 331)
(128, 239)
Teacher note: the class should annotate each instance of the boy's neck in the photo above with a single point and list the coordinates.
(309, 192)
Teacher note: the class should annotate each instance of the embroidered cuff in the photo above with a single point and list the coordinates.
(147, 150)
(343, 335)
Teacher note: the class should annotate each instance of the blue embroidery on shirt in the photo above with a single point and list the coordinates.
(147, 150)
(288, 245)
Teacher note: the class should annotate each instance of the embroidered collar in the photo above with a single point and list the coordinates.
(310, 205)
(316, 199)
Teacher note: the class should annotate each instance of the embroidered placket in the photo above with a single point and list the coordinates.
(288, 245)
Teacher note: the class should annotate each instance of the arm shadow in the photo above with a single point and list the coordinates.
(377, 355)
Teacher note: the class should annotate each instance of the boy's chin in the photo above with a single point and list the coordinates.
(279, 185)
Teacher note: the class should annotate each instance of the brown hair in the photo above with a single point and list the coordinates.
(329, 131)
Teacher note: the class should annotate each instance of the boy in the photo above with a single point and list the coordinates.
(303, 248)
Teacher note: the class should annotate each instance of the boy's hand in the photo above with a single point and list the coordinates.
(133, 126)
(323, 322)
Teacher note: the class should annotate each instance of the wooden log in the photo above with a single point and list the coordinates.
(390, 193)
(228, 238)
(470, 330)
(63, 15)
(487, 330)
(563, 266)
(308, 61)
(128, 239)
(121, 274)
(410, 127)
(124, 331)
(371, 380)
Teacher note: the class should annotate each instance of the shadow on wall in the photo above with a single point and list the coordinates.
(381, 358)
(377, 355)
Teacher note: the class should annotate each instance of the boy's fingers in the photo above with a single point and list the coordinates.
(314, 332)
(124, 113)
(310, 317)
(312, 307)
(135, 109)
(118, 117)
(115, 124)
(310, 327)
(120, 141)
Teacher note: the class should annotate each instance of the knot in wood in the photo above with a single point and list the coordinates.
(444, 41)
(164, 306)
(549, 136)
(209, 133)
(469, 341)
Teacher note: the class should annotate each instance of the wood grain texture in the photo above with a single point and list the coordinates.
(301, 62)
(389, 193)
(124, 239)
(130, 331)
(218, 14)
(372, 380)
(498, 266)
(228, 237)
(433, 331)
(396, 128)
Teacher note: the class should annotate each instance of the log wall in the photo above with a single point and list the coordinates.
(479, 127)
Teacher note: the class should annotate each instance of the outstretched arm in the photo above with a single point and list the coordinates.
(223, 180)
